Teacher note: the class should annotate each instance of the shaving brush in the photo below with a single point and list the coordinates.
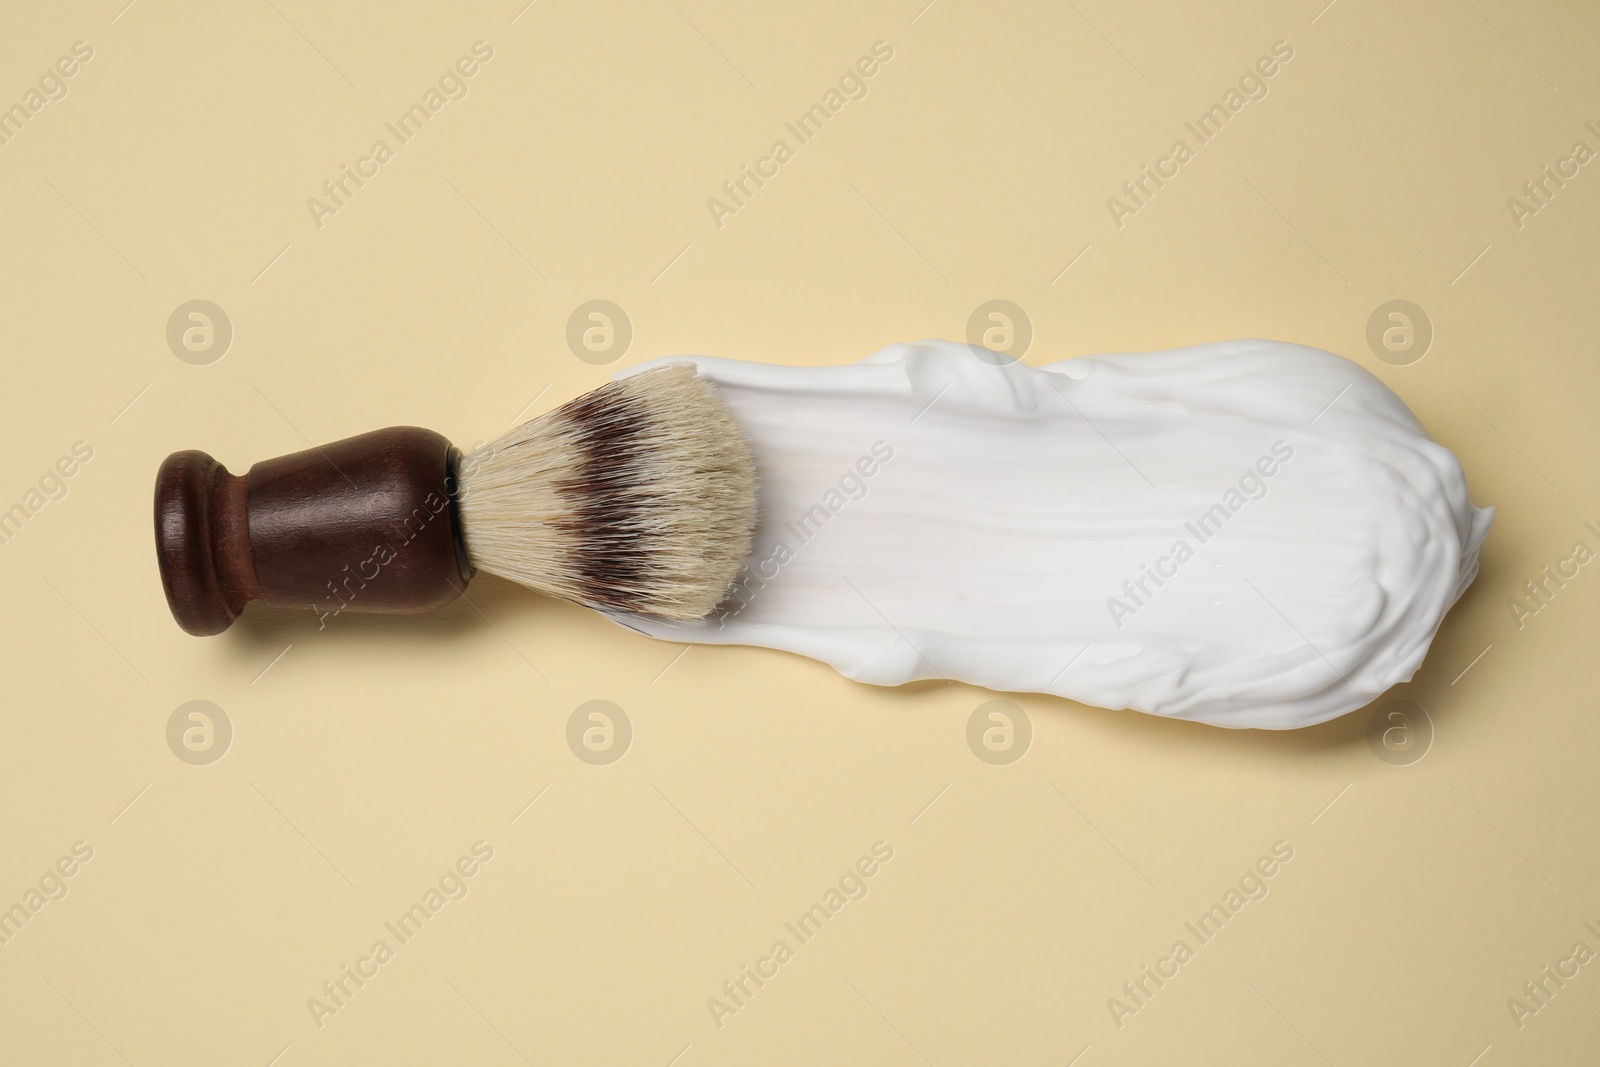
(637, 497)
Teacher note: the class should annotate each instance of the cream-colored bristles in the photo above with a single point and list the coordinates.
(639, 496)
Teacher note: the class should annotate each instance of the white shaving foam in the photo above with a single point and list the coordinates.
(931, 513)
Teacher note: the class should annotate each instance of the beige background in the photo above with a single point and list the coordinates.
(367, 757)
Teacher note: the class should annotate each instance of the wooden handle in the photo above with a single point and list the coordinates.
(369, 523)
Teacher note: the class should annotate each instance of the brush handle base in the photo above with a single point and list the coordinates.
(368, 524)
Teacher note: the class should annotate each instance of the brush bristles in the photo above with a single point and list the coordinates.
(639, 496)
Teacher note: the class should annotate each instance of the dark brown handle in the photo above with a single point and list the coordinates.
(369, 523)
